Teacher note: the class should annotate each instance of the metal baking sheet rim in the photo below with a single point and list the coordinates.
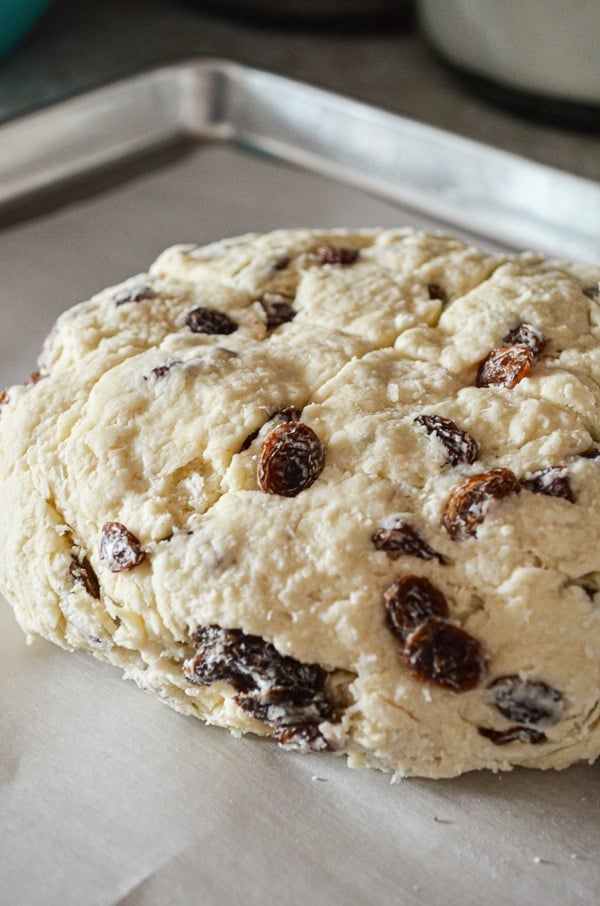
(492, 193)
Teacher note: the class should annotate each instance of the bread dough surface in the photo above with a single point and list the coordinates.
(135, 522)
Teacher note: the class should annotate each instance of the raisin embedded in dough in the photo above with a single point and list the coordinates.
(209, 320)
(460, 446)
(292, 458)
(399, 537)
(411, 601)
(505, 366)
(553, 481)
(119, 548)
(469, 502)
(444, 654)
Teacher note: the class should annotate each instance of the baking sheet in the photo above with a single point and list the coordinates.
(106, 797)
(459, 181)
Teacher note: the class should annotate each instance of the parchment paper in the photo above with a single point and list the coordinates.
(108, 797)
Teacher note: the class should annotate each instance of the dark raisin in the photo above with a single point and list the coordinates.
(526, 701)
(120, 547)
(282, 263)
(137, 293)
(336, 254)
(302, 737)
(246, 661)
(409, 602)
(459, 445)
(222, 655)
(209, 320)
(285, 705)
(592, 292)
(526, 335)
(161, 370)
(445, 655)
(83, 573)
(513, 734)
(277, 308)
(274, 688)
(291, 459)
(403, 539)
(505, 366)
(470, 500)
(437, 292)
(287, 414)
(553, 481)
(250, 440)
(591, 453)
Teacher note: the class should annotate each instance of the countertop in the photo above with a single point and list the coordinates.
(80, 44)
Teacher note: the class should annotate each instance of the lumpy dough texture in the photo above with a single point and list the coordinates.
(257, 479)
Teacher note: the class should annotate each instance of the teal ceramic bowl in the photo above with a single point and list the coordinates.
(17, 17)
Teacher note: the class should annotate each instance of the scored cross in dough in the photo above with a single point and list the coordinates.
(335, 487)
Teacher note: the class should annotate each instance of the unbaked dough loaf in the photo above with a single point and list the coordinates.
(341, 488)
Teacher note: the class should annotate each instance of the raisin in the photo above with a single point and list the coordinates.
(137, 293)
(246, 661)
(83, 574)
(470, 500)
(281, 263)
(592, 292)
(526, 335)
(302, 737)
(284, 705)
(336, 254)
(4, 399)
(526, 701)
(287, 414)
(223, 655)
(277, 689)
(409, 602)
(591, 453)
(437, 292)
(553, 481)
(513, 734)
(277, 308)
(161, 370)
(459, 445)
(505, 366)
(445, 655)
(120, 547)
(291, 459)
(34, 378)
(403, 539)
(250, 440)
(209, 320)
